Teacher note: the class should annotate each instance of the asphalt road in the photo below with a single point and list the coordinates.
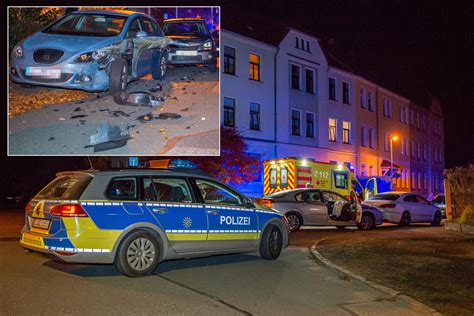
(31, 283)
(65, 129)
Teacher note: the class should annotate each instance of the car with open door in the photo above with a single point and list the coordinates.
(315, 207)
(92, 50)
(403, 208)
(137, 218)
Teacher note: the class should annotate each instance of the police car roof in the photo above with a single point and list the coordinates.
(182, 19)
(182, 172)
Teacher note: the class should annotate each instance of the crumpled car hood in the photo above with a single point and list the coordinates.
(70, 44)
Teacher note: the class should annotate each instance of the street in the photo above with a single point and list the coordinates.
(189, 124)
(232, 284)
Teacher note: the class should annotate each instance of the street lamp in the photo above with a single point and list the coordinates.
(392, 139)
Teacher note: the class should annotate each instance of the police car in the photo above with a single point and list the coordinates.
(137, 218)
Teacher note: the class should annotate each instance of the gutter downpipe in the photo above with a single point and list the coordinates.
(275, 150)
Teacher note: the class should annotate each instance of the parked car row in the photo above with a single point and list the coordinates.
(95, 50)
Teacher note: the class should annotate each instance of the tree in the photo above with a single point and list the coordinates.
(234, 165)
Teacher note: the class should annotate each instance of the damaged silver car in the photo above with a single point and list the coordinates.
(92, 51)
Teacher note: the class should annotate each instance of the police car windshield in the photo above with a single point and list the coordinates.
(65, 187)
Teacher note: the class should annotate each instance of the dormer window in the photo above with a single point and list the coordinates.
(302, 44)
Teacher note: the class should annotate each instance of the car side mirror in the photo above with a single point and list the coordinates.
(142, 34)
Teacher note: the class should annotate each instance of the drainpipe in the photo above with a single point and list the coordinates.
(376, 105)
(275, 101)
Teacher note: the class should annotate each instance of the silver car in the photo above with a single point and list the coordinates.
(323, 208)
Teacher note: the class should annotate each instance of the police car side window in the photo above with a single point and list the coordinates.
(124, 188)
(213, 193)
(166, 190)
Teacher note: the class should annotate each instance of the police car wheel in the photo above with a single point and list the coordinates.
(271, 244)
(138, 254)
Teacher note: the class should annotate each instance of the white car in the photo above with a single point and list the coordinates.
(404, 208)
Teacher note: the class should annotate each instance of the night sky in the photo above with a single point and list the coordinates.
(421, 48)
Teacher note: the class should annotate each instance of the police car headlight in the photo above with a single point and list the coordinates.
(18, 51)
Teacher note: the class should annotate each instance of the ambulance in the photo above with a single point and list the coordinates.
(292, 173)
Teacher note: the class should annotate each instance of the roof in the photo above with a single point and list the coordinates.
(180, 172)
(110, 12)
(182, 19)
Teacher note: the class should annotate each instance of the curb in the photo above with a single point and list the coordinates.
(389, 291)
(463, 228)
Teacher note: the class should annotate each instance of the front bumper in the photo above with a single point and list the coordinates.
(201, 57)
(81, 76)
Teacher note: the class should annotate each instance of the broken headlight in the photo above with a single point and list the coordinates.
(97, 56)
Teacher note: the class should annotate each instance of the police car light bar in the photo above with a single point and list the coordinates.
(172, 163)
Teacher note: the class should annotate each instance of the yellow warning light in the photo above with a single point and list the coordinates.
(339, 167)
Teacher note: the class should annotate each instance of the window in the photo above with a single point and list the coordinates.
(124, 188)
(401, 114)
(148, 26)
(166, 190)
(307, 47)
(309, 125)
(332, 197)
(371, 137)
(363, 136)
(309, 81)
(406, 115)
(402, 146)
(370, 101)
(297, 42)
(371, 170)
(387, 107)
(65, 187)
(413, 179)
(133, 29)
(332, 129)
(345, 92)
(295, 122)
(229, 112)
(340, 179)
(308, 197)
(424, 151)
(254, 67)
(229, 60)
(332, 89)
(386, 141)
(295, 77)
(419, 180)
(363, 170)
(254, 116)
(346, 132)
(362, 98)
(214, 193)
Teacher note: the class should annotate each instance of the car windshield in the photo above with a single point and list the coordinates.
(439, 199)
(387, 197)
(185, 28)
(101, 25)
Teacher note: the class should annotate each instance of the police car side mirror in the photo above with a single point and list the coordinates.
(248, 203)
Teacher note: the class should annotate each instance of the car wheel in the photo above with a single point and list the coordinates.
(212, 67)
(367, 222)
(138, 255)
(118, 76)
(294, 221)
(436, 219)
(271, 243)
(159, 69)
(405, 220)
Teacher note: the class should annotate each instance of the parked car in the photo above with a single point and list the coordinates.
(139, 217)
(191, 42)
(314, 207)
(92, 51)
(404, 208)
(439, 200)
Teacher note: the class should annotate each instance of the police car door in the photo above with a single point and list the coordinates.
(232, 224)
(182, 219)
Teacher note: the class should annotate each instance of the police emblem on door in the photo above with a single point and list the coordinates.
(187, 222)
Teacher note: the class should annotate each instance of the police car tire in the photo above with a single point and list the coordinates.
(121, 262)
(268, 250)
(117, 77)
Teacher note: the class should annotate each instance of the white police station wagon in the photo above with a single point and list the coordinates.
(137, 218)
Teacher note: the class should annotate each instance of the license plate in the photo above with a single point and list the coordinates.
(43, 72)
(186, 53)
(32, 240)
(41, 223)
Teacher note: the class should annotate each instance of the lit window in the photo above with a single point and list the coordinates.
(254, 116)
(295, 77)
(229, 112)
(332, 129)
(296, 122)
(309, 125)
(229, 60)
(332, 89)
(345, 92)
(254, 67)
(346, 132)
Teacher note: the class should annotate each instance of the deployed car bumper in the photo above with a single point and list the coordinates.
(81, 76)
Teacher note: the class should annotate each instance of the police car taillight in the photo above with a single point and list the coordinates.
(27, 207)
(68, 210)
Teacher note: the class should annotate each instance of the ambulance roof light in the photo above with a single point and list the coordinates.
(281, 161)
(304, 162)
(339, 167)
